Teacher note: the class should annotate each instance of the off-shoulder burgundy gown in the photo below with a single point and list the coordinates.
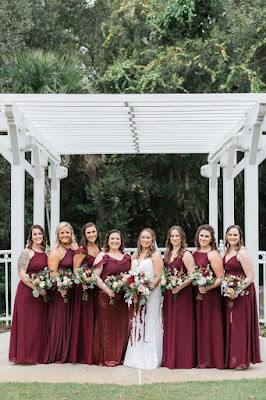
(60, 319)
(209, 323)
(111, 321)
(29, 319)
(179, 325)
(83, 320)
(241, 323)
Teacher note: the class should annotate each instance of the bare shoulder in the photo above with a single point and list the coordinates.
(242, 253)
(54, 254)
(156, 256)
(194, 251)
(187, 255)
(99, 257)
(214, 255)
(134, 256)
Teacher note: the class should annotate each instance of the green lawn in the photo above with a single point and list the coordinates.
(219, 390)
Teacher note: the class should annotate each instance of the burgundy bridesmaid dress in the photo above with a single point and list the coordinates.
(29, 319)
(179, 325)
(83, 320)
(241, 323)
(209, 323)
(60, 319)
(111, 321)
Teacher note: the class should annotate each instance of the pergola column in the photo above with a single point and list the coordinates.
(228, 201)
(17, 220)
(212, 172)
(38, 199)
(56, 173)
(252, 214)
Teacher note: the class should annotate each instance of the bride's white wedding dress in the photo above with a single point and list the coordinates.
(146, 352)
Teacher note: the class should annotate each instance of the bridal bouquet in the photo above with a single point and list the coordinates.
(138, 287)
(233, 284)
(202, 276)
(86, 276)
(64, 279)
(172, 278)
(115, 283)
(41, 281)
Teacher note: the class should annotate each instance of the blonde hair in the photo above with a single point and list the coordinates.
(152, 248)
(58, 245)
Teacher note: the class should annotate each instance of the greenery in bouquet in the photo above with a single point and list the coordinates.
(85, 276)
(172, 278)
(233, 284)
(115, 283)
(41, 281)
(202, 276)
(64, 279)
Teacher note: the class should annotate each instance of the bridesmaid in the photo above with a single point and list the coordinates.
(209, 325)
(178, 315)
(242, 327)
(60, 316)
(83, 311)
(30, 313)
(111, 321)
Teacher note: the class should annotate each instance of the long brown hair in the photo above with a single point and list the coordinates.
(106, 246)
(241, 238)
(152, 248)
(84, 242)
(210, 229)
(169, 246)
(30, 241)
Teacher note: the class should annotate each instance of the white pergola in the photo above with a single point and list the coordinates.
(51, 125)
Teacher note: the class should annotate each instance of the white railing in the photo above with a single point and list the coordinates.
(5, 258)
(262, 286)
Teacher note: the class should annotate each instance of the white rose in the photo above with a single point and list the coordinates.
(42, 284)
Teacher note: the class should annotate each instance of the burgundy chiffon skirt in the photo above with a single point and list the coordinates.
(209, 330)
(28, 327)
(242, 331)
(179, 330)
(82, 328)
(57, 347)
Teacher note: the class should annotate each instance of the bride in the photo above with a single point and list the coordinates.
(144, 350)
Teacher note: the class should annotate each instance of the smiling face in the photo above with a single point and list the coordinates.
(91, 234)
(204, 238)
(175, 238)
(37, 237)
(64, 235)
(114, 241)
(233, 237)
(146, 239)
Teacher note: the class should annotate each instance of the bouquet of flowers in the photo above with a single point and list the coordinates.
(115, 283)
(41, 281)
(202, 276)
(172, 278)
(64, 279)
(233, 284)
(86, 276)
(138, 287)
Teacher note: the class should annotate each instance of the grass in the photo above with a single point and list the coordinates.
(220, 390)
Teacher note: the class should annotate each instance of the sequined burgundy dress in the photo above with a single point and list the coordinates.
(111, 321)
(241, 323)
(60, 319)
(29, 319)
(179, 325)
(209, 323)
(83, 320)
